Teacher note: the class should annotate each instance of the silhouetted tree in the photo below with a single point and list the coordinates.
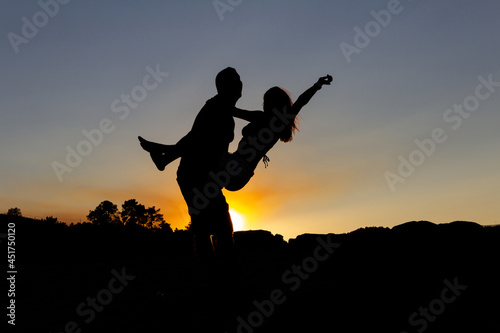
(187, 228)
(166, 227)
(133, 213)
(105, 213)
(14, 212)
(50, 220)
(155, 219)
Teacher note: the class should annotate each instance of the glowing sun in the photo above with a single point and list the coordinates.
(238, 220)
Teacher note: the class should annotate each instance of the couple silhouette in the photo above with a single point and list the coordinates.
(206, 166)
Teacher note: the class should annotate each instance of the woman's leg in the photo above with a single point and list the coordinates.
(161, 154)
(153, 147)
(241, 171)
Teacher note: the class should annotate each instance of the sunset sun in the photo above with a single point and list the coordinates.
(238, 220)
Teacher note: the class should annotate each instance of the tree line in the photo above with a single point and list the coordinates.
(107, 213)
(132, 213)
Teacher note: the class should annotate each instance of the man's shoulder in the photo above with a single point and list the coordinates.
(218, 100)
(216, 106)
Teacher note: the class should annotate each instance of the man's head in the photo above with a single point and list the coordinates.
(228, 83)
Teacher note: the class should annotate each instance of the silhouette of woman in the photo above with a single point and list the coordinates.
(276, 122)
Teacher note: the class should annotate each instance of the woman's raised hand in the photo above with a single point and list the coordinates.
(325, 80)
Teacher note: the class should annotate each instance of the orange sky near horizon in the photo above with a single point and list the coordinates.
(285, 201)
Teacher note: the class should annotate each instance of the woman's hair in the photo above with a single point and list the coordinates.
(277, 100)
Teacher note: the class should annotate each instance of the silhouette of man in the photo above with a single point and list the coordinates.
(203, 148)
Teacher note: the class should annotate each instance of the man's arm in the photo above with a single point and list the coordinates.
(246, 115)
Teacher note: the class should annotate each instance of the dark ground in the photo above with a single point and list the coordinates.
(374, 281)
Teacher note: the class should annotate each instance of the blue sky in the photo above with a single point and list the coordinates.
(329, 179)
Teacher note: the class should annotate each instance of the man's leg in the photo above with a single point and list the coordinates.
(201, 234)
(222, 227)
(204, 248)
(214, 219)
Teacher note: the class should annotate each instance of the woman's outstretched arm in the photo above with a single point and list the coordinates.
(306, 96)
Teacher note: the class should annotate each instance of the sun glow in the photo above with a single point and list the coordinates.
(238, 220)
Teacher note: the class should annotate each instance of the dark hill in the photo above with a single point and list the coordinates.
(372, 279)
(415, 226)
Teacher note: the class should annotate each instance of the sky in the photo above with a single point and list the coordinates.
(407, 131)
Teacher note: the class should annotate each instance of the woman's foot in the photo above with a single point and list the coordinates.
(161, 155)
(148, 145)
(160, 160)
